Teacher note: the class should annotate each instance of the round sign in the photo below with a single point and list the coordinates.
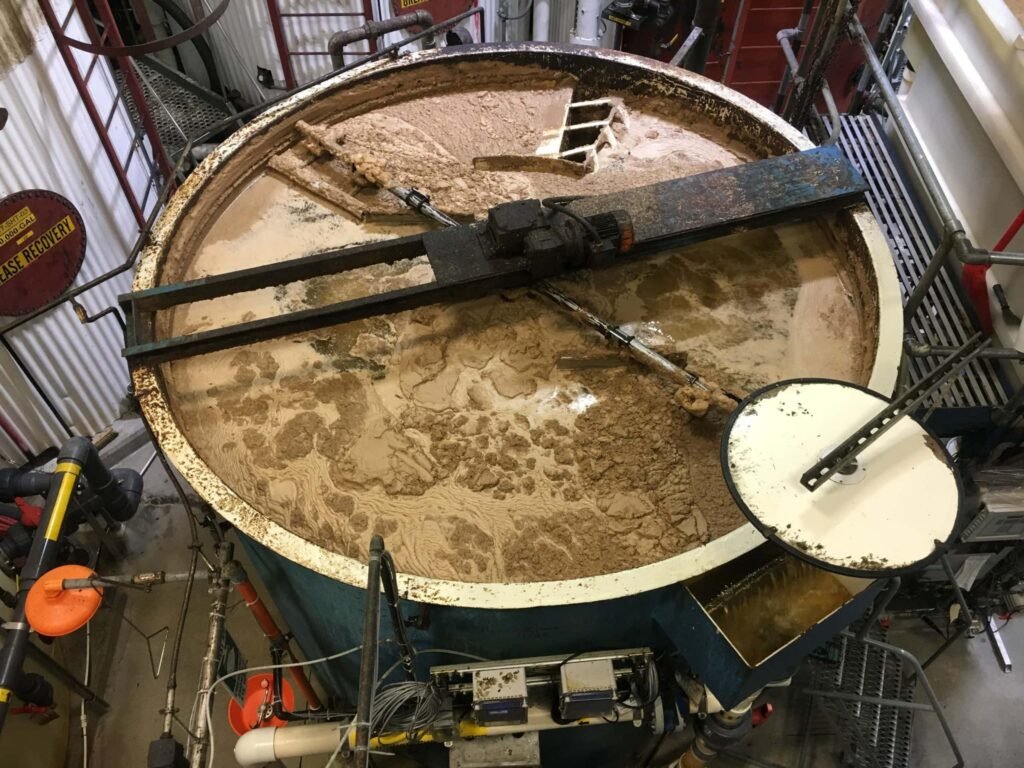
(42, 245)
(892, 511)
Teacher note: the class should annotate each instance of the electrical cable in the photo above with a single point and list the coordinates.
(263, 668)
(558, 204)
(398, 663)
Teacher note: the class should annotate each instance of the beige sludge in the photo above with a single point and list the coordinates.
(496, 440)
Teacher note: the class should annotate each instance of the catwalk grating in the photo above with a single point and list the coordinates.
(942, 319)
(180, 108)
(874, 735)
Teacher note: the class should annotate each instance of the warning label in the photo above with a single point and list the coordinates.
(17, 224)
(36, 248)
(411, 3)
(42, 245)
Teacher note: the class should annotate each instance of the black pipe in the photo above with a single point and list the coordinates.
(373, 29)
(705, 16)
(17, 482)
(78, 457)
(368, 661)
(405, 649)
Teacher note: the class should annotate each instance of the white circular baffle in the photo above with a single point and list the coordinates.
(907, 493)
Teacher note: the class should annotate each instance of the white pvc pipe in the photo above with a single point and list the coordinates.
(542, 20)
(265, 745)
(588, 23)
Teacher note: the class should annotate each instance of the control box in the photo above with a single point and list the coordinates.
(586, 689)
(499, 696)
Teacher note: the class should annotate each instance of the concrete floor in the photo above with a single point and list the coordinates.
(158, 539)
(982, 703)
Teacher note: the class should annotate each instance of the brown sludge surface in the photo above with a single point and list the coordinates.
(498, 440)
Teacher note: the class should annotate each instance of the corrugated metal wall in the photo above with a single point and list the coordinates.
(50, 143)
(243, 41)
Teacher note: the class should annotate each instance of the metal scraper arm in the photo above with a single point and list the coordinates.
(470, 261)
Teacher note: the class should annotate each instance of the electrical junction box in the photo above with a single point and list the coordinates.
(587, 689)
(995, 522)
(499, 696)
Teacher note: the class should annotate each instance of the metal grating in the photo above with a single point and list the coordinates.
(178, 109)
(874, 735)
(942, 319)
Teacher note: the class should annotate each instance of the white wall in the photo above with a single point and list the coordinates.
(50, 143)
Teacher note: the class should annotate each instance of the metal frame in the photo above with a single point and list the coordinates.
(285, 54)
(477, 259)
(955, 246)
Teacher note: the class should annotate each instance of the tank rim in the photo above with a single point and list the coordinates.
(155, 408)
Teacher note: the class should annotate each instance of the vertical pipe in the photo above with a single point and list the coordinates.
(282, 44)
(541, 20)
(214, 642)
(276, 638)
(368, 661)
(368, 17)
(587, 30)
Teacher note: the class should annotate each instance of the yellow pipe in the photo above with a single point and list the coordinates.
(71, 471)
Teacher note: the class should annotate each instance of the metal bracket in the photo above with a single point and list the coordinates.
(519, 243)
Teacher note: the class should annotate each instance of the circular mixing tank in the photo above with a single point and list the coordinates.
(509, 456)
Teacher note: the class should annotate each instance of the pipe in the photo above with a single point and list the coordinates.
(277, 639)
(715, 734)
(933, 187)
(368, 661)
(917, 349)
(141, 580)
(587, 30)
(791, 68)
(813, 68)
(18, 482)
(541, 20)
(881, 604)
(727, 60)
(78, 456)
(214, 641)
(833, 115)
(405, 649)
(373, 29)
(705, 18)
(265, 745)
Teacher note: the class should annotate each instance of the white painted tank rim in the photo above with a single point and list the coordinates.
(500, 596)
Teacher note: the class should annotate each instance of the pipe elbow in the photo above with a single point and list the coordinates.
(256, 747)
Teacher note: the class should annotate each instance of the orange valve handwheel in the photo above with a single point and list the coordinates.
(258, 693)
(54, 611)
